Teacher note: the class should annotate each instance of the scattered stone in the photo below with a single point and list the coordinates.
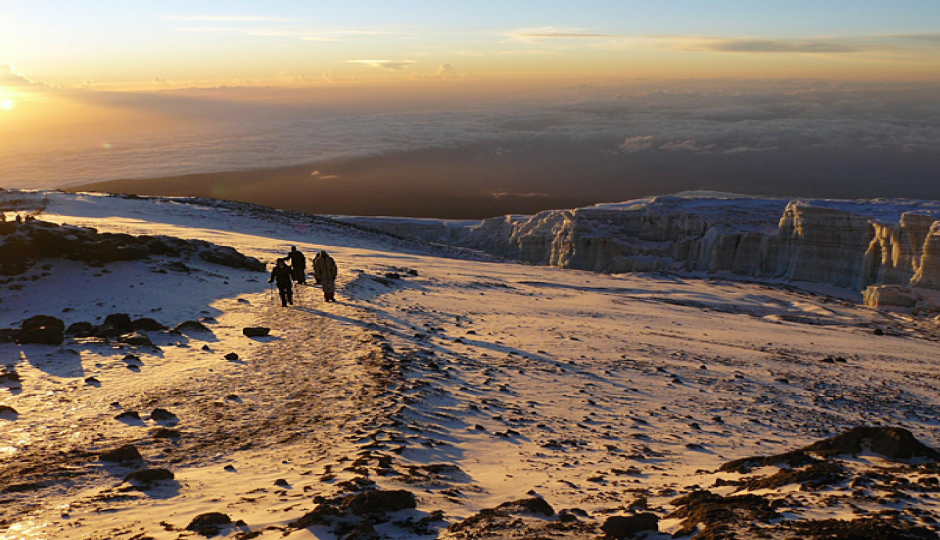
(146, 324)
(256, 331)
(92, 381)
(42, 329)
(166, 433)
(282, 483)
(629, 526)
(120, 321)
(8, 374)
(377, 502)
(231, 356)
(6, 410)
(163, 415)
(137, 339)
(147, 476)
(80, 329)
(191, 326)
(128, 415)
(209, 524)
(122, 454)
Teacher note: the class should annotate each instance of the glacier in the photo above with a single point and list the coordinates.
(887, 249)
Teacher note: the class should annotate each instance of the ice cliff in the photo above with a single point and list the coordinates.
(886, 247)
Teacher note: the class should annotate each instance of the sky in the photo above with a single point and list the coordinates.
(98, 90)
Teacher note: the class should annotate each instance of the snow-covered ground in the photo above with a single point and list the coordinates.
(589, 390)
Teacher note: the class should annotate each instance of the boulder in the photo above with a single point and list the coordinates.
(122, 454)
(209, 524)
(191, 326)
(890, 442)
(42, 329)
(533, 505)
(146, 324)
(80, 329)
(378, 502)
(7, 411)
(231, 356)
(256, 331)
(163, 415)
(629, 526)
(146, 476)
(120, 321)
(137, 339)
(43, 321)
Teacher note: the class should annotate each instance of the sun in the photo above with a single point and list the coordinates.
(7, 104)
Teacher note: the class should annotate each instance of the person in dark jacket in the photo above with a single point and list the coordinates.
(282, 276)
(298, 264)
(324, 269)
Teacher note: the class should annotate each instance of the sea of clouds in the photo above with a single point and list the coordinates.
(696, 124)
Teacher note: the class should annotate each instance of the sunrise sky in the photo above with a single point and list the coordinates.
(129, 77)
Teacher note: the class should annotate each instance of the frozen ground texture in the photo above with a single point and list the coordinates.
(463, 381)
(890, 245)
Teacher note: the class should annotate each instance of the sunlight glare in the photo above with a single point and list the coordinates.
(7, 104)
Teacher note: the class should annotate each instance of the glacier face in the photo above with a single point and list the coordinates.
(849, 244)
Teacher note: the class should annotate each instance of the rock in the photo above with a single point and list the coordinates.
(364, 531)
(146, 324)
(191, 326)
(120, 321)
(8, 374)
(42, 329)
(534, 505)
(166, 433)
(231, 356)
(161, 415)
(892, 297)
(256, 331)
(209, 524)
(146, 476)
(890, 442)
(80, 329)
(6, 410)
(106, 331)
(137, 339)
(282, 483)
(92, 381)
(629, 526)
(128, 415)
(122, 454)
(377, 502)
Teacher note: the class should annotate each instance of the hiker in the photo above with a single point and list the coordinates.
(315, 259)
(324, 269)
(298, 264)
(282, 275)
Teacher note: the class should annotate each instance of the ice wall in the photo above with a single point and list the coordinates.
(849, 244)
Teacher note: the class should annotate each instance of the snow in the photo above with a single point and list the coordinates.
(527, 378)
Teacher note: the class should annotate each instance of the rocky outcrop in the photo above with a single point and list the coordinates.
(22, 244)
(850, 244)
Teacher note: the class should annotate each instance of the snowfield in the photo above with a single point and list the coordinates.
(463, 379)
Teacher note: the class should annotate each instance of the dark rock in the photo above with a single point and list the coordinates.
(364, 531)
(714, 515)
(136, 339)
(890, 442)
(161, 415)
(209, 524)
(166, 433)
(392, 275)
(120, 321)
(146, 324)
(80, 329)
(42, 329)
(41, 321)
(820, 474)
(878, 332)
(8, 375)
(629, 526)
(796, 458)
(128, 415)
(123, 454)
(8, 411)
(191, 326)
(534, 505)
(106, 331)
(231, 356)
(146, 476)
(92, 381)
(375, 502)
(282, 483)
(256, 331)
(871, 528)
